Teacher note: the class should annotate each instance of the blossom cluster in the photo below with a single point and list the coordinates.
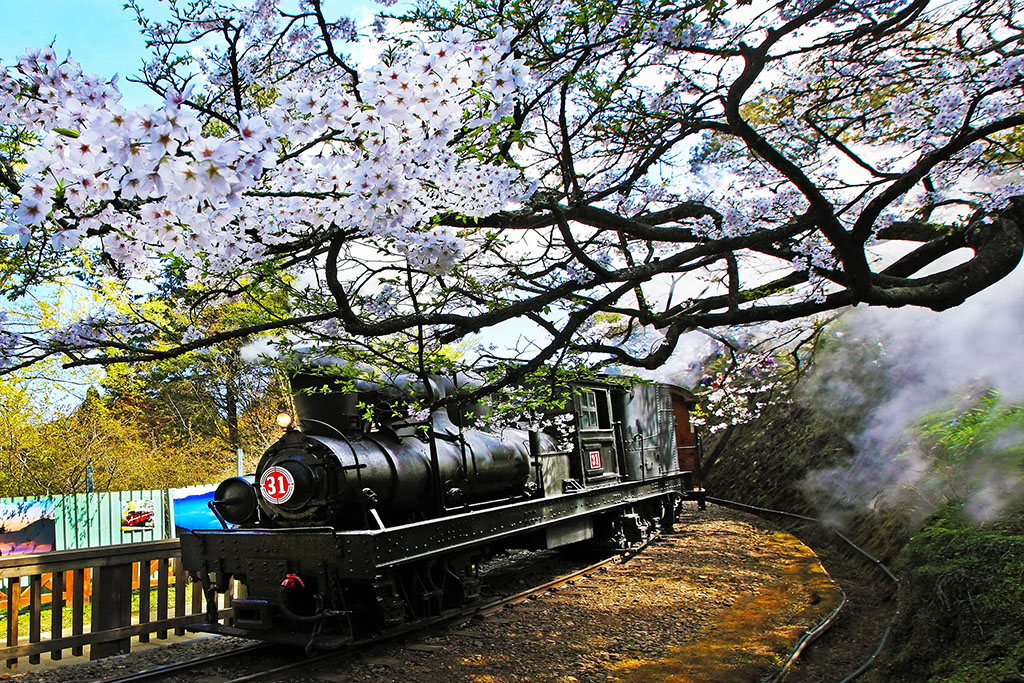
(182, 189)
(738, 387)
(677, 32)
(849, 117)
(899, 110)
(392, 164)
(383, 302)
(814, 252)
(437, 250)
(9, 341)
(379, 159)
(99, 327)
(1002, 195)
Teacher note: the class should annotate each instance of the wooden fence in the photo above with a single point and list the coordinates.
(122, 591)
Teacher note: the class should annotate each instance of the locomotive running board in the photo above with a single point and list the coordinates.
(265, 556)
(423, 540)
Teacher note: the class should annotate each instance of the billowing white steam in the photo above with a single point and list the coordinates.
(929, 361)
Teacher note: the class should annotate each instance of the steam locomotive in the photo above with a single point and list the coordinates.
(366, 519)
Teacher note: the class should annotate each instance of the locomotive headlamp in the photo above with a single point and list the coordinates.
(235, 500)
(284, 420)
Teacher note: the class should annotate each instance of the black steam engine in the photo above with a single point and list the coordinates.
(366, 519)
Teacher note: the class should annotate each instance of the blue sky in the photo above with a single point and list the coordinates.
(102, 37)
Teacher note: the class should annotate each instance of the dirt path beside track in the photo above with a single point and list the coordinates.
(724, 598)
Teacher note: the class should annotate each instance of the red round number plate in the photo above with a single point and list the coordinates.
(277, 484)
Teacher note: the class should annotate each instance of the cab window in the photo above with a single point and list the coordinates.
(594, 410)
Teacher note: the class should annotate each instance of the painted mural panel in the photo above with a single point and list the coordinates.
(190, 509)
(138, 515)
(27, 526)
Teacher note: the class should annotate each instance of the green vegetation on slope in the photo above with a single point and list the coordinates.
(764, 461)
(961, 602)
(961, 596)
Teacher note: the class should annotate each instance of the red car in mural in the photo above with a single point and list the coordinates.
(138, 518)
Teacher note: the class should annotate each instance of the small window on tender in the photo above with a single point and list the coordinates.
(588, 410)
(594, 410)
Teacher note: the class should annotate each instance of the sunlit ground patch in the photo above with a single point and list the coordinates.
(756, 633)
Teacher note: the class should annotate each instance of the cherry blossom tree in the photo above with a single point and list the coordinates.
(517, 164)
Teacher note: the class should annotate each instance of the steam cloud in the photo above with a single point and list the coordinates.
(930, 361)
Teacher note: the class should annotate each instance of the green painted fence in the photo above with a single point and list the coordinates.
(88, 520)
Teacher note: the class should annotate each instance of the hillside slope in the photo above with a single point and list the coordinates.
(961, 596)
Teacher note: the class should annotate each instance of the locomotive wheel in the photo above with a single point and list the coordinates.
(432, 587)
(671, 506)
(628, 528)
(378, 605)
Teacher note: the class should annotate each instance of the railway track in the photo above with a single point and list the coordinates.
(279, 666)
(822, 627)
(425, 638)
(165, 671)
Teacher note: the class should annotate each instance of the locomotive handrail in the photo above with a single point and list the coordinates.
(462, 449)
(472, 457)
(368, 509)
(392, 469)
(640, 436)
(620, 448)
(355, 456)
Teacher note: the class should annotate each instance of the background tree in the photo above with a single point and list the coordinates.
(213, 398)
(119, 441)
(17, 437)
(525, 164)
(221, 394)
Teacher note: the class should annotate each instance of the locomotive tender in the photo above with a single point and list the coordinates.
(349, 528)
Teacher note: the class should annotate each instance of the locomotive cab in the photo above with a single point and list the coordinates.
(629, 433)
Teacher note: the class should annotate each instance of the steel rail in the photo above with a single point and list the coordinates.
(501, 603)
(459, 615)
(812, 634)
(164, 670)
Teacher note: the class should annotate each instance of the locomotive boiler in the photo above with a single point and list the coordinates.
(372, 515)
